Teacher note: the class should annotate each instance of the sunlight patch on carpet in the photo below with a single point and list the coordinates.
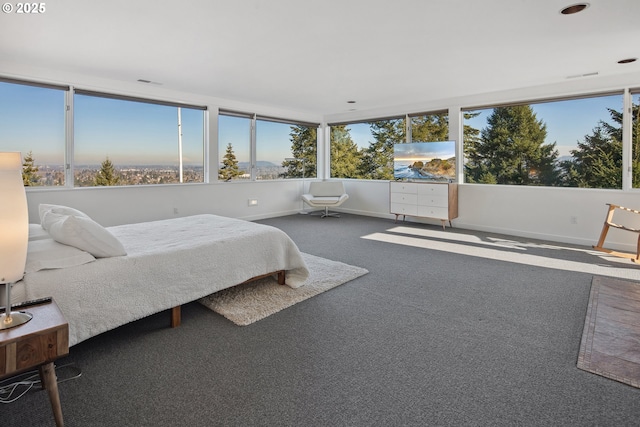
(250, 302)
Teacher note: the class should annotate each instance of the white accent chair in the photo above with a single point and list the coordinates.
(325, 194)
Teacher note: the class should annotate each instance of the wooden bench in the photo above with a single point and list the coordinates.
(635, 257)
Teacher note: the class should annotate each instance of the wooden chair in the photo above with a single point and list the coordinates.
(605, 229)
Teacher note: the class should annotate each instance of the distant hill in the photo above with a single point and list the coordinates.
(563, 158)
(259, 164)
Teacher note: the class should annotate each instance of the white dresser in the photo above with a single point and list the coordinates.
(438, 200)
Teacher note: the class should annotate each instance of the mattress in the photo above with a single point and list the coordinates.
(168, 263)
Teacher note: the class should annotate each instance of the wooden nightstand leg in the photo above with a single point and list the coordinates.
(50, 383)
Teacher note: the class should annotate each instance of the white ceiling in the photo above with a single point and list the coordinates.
(314, 56)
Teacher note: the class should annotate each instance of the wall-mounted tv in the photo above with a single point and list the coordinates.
(435, 161)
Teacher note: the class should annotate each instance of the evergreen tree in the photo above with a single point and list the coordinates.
(511, 150)
(107, 175)
(615, 132)
(474, 171)
(304, 145)
(376, 161)
(29, 171)
(430, 127)
(344, 154)
(229, 169)
(597, 161)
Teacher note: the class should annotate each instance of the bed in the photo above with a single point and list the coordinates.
(165, 264)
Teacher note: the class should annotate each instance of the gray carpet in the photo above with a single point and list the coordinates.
(429, 337)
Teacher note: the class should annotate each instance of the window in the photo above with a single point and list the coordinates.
(635, 138)
(568, 143)
(32, 121)
(283, 149)
(364, 150)
(125, 141)
(234, 146)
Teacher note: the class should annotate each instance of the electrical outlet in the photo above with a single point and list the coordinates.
(253, 202)
(175, 211)
(573, 220)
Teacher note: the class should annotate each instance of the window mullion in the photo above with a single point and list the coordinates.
(253, 151)
(69, 166)
(408, 128)
(627, 156)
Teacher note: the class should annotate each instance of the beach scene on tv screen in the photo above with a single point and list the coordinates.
(434, 161)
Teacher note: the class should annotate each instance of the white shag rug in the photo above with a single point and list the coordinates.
(250, 302)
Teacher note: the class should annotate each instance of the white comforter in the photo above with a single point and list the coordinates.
(168, 263)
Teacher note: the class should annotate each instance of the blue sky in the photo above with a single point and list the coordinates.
(134, 132)
(273, 140)
(567, 121)
(32, 118)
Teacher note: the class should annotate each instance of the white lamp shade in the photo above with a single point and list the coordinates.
(14, 219)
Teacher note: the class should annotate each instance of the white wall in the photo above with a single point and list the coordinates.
(535, 212)
(569, 215)
(121, 205)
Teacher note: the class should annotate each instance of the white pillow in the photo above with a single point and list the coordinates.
(47, 254)
(36, 232)
(82, 233)
(59, 209)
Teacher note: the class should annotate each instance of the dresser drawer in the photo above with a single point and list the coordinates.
(404, 209)
(441, 190)
(410, 199)
(433, 212)
(403, 187)
(433, 200)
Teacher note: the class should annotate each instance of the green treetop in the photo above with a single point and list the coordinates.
(511, 150)
(229, 169)
(303, 147)
(29, 171)
(345, 155)
(107, 175)
(376, 161)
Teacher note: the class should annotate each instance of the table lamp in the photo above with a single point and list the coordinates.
(14, 233)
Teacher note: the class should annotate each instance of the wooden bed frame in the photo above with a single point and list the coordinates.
(176, 312)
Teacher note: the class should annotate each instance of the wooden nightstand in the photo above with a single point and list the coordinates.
(37, 343)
